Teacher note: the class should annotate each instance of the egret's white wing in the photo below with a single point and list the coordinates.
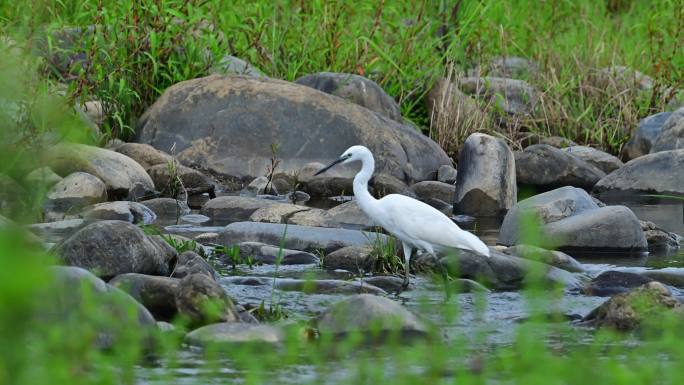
(411, 219)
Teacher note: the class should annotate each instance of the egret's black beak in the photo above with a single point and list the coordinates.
(328, 167)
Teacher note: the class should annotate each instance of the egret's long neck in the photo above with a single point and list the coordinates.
(365, 200)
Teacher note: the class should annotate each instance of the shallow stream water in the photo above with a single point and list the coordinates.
(493, 315)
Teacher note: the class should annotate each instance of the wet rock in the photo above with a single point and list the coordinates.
(462, 285)
(323, 187)
(157, 294)
(193, 182)
(276, 213)
(602, 160)
(351, 258)
(123, 176)
(42, 176)
(146, 155)
(613, 282)
(659, 173)
(232, 333)
(388, 283)
(217, 130)
(548, 167)
(110, 248)
(516, 97)
(297, 237)
(267, 254)
(132, 212)
(67, 302)
(671, 138)
(659, 239)
(608, 228)
(355, 89)
(259, 186)
(310, 286)
(449, 107)
(503, 272)
(167, 207)
(313, 217)
(349, 213)
(189, 262)
(569, 218)
(72, 194)
(367, 313)
(56, 231)
(233, 208)
(203, 301)
(430, 189)
(547, 207)
(549, 257)
(672, 276)
(447, 174)
(231, 65)
(628, 311)
(645, 135)
(486, 183)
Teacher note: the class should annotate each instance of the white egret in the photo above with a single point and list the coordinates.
(416, 224)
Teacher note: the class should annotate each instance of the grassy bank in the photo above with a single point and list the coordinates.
(404, 46)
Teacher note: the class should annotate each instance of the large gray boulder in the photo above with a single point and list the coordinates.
(658, 173)
(110, 248)
(602, 160)
(645, 135)
(351, 258)
(355, 89)
(297, 237)
(569, 218)
(486, 181)
(548, 167)
(370, 315)
(226, 124)
(671, 138)
(500, 271)
(72, 194)
(123, 176)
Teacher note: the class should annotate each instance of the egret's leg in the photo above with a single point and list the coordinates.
(408, 250)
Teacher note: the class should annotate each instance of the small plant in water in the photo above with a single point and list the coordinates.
(180, 245)
(385, 253)
(271, 168)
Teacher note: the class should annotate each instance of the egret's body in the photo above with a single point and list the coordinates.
(416, 224)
